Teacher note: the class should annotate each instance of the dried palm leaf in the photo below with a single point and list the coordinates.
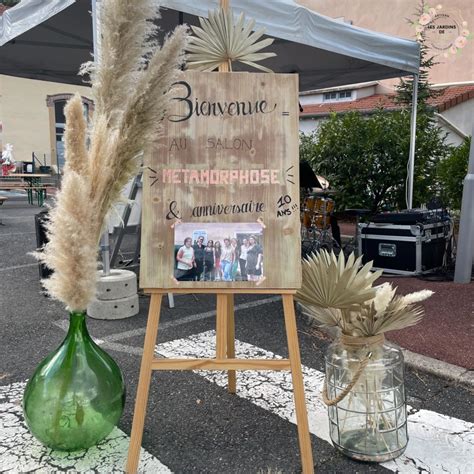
(331, 282)
(222, 39)
(324, 317)
(338, 293)
(396, 316)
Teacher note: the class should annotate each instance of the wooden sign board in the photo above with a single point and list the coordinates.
(225, 169)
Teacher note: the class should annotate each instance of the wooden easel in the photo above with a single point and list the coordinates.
(225, 360)
(225, 356)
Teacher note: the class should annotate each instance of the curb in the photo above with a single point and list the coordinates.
(455, 373)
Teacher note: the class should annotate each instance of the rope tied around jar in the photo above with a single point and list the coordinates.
(353, 341)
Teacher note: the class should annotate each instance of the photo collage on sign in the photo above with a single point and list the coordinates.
(218, 252)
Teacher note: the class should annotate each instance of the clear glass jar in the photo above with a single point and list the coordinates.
(366, 398)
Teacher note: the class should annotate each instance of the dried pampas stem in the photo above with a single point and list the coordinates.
(75, 137)
(72, 248)
(131, 86)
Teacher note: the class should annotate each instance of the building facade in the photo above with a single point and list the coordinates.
(451, 21)
(32, 118)
(453, 106)
(447, 29)
(31, 112)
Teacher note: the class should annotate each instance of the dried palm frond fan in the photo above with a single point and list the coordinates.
(339, 294)
(223, 40)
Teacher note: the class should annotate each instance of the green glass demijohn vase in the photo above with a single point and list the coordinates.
(76, 395)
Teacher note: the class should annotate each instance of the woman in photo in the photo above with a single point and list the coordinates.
(186, 263)
(199, 257)
(209, 261)
(243, 259)
(235, 258)
(217, 261)
(254, 259)
(227, 260)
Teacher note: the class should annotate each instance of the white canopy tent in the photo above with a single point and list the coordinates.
(49, 39)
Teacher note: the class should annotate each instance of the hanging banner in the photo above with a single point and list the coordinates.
(220, 191)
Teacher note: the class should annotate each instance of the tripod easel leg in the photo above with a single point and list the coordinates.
(298, 387)
(141, 400)
(225, 338)
(221, 326)
(231, 377)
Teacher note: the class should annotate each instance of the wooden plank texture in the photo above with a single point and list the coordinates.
(231, 376)
(250, 291)
(298, 385)
(143, 388)
(228, 154)
(220, 364)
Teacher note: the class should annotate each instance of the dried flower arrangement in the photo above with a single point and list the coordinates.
(221, 39)
(131, 87)
(364, 386)
(339, 294)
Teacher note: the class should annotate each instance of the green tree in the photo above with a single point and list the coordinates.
(426, 92)
(451, 173)
(307, 146)
(365, 158)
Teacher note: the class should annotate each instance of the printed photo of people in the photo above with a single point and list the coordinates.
(218, 252)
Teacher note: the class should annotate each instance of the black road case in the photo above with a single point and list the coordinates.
(405, 249)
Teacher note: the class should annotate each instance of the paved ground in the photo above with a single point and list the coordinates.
(446, 332)
(193, 425)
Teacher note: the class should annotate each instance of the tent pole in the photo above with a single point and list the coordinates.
(465, 249)
(411, 159)
(94, 28)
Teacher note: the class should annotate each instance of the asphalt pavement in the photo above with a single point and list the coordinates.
(193, 424)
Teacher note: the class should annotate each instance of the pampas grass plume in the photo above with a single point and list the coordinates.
(72, 248)
(76, 156)
(416, 297)
(131, 85)
(384, 295)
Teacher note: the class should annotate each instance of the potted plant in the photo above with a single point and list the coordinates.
(76, 395)
(364, 385)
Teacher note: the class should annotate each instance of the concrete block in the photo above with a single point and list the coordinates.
(114, 309)
(119, 284)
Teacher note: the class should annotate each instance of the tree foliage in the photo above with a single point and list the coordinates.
(451, 173)
(425, 92)
(365, 159)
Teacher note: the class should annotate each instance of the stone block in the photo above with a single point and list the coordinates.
(119, 284)
(114, 309)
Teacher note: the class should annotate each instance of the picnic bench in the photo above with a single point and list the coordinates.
(31, 183)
